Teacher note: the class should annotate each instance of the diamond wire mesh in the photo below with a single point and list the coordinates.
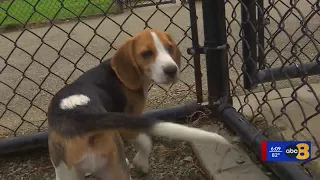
(37, 62)
(286, 109)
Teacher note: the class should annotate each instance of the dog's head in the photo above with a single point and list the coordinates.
(151, 55)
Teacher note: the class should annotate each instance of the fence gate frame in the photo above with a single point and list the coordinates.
(253, 54)
(220, 100)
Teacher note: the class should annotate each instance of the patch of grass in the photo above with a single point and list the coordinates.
(21, 12)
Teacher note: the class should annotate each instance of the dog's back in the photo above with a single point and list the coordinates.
(100, 83)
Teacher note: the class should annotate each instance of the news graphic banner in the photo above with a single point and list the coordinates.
(275, 151)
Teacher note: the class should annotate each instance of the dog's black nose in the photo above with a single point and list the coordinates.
(170, 70)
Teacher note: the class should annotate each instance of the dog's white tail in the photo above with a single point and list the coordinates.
(185, 133)
(89, 122)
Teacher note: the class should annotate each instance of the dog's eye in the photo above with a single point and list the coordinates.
(170, 49)
(147, 53)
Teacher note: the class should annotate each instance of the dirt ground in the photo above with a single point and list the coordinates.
(172, 160)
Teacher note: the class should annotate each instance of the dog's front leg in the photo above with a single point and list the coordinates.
(143, 144)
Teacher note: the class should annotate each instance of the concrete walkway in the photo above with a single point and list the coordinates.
(218, 164)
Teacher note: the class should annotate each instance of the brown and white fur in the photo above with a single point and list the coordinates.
(89, 117)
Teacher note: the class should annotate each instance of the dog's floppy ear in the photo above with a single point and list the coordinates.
(124, 64)
(176, 51)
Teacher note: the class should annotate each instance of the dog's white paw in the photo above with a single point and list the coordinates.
(88, 174)
(141, 162)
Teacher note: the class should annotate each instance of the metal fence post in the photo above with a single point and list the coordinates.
(196, 46)
(215, 48)
(249, 41)
(260, 26)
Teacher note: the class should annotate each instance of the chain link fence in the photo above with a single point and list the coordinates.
(273, 58)
(37, 62)
(274, 68)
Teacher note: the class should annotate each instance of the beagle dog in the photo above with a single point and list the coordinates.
(89, 118)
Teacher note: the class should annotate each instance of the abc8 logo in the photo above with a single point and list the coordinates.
(299, 151)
